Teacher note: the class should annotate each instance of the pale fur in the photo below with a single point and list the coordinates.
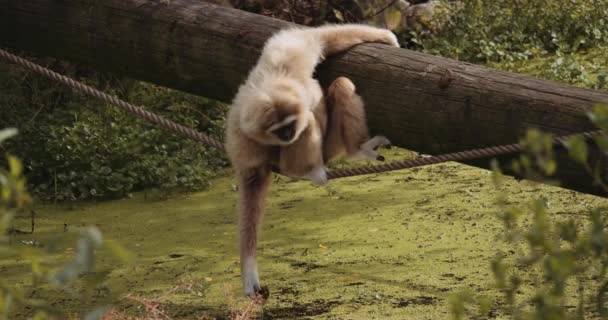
(346, 134)
(281, 84)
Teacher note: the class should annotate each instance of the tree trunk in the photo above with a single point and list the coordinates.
(425, 103)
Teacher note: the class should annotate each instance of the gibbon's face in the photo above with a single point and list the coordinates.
(277, 118)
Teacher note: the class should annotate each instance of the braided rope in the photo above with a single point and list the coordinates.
(457, 156)
(136, 110)
(207, 140)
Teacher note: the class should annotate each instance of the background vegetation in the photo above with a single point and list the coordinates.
(550, 267)
(45, 273)
(505, 31)
(76, 148)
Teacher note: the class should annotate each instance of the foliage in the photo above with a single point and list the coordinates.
(501, 33)
(392, 14)
(14, 199)
(75, 147)
(504, 30)
(583, 69)
(563, 262)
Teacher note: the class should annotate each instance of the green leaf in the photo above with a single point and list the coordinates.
(339, 15)
(567, 230)
(551, 167)
(485, 305)
(119, 251)
(7, 133)
(40, 315)
(577, 149)
(500, 272)
(392, 19)
(602, 141)
(497, 175)
(599, 116)
(15, 166)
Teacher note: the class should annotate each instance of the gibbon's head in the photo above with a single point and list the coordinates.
(276, 114)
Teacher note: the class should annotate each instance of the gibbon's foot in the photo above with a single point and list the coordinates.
(258, 294)
(368, 150)
(251, 285)
(251, 279)
(261, 295)
(376, 142)
(318, 176)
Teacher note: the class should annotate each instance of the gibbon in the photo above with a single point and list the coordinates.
(346, 134)
(280, 101)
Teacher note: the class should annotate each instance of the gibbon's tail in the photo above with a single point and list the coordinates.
(253, 185)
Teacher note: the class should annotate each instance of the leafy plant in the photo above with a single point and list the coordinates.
(506, 31)
(560, 269)
(14, 199)
(76, 148)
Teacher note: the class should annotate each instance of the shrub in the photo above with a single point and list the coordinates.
(15, 199)
(76, 148)
(505, 30)
(557, 267)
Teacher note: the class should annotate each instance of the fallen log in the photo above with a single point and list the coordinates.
(425, 103)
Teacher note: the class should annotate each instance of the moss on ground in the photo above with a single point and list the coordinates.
(387, 246)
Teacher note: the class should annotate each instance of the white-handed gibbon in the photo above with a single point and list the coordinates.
(336, 128)
(280, 101)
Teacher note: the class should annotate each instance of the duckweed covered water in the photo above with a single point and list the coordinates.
(387, 246)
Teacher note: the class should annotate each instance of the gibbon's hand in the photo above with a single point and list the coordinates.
(391, 39)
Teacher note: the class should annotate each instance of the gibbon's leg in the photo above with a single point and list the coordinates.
(347, 131)
(253, 185)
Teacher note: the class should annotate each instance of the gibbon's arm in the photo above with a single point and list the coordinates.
(338, 38)
(296, 52)
(253, 185)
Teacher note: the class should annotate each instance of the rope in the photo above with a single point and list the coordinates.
(140, 112)
(136, 110)
(457, 156)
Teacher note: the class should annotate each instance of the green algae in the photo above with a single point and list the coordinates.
(386, 246)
